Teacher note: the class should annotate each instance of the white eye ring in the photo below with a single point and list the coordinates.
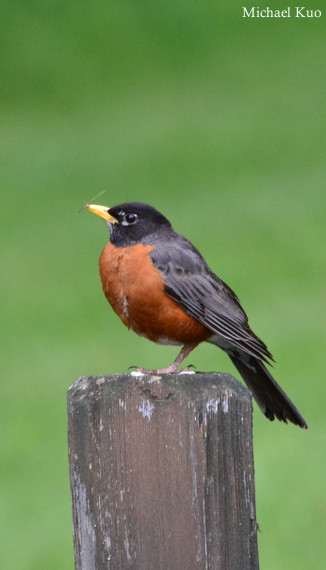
(129, 219)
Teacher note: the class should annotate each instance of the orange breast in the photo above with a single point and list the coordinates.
(135, 289)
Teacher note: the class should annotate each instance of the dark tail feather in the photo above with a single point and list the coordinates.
(268, 394)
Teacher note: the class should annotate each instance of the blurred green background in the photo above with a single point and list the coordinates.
(220, 123)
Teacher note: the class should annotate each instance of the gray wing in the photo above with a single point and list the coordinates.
(190, 282)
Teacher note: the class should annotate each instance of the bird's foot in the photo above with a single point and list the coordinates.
(191, 369)
(171, 369)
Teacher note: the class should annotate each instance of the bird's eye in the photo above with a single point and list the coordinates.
(131, 218)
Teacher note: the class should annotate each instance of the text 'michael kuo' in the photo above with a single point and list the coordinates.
(267, 12)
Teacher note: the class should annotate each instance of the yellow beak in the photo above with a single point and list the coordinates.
(102, 211)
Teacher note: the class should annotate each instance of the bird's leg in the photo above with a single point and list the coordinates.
(173, 368)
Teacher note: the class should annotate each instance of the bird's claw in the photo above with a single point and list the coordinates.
(137, 370)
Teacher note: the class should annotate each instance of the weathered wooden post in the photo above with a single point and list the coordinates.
(162, 474)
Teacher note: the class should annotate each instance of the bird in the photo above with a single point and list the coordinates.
(162, 288)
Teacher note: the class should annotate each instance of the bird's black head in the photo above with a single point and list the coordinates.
(131, 222)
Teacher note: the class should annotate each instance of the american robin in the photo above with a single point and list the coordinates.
(162, 288)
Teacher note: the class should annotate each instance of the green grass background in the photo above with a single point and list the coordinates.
(220, 123)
